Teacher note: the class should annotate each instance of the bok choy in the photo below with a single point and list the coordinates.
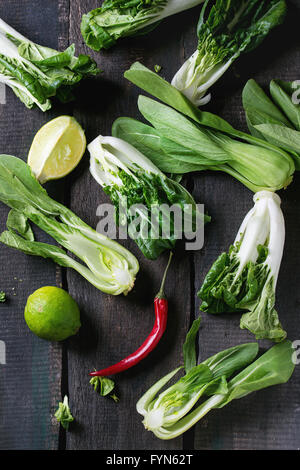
(115, 19)
(143, 196)
(275, 119)
(205, 137)
(63, 414)
(176, 409)
(178, 145)
(244, 279)
(106, 264)
(37, 73)
(228, 29)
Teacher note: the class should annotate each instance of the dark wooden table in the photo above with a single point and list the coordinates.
(38, 373)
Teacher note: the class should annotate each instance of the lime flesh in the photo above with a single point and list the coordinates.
(57, 148)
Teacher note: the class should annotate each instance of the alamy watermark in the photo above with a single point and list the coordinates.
(2, 353)
(165, 222)
(296, 94)
(2, 93)
(296, 353)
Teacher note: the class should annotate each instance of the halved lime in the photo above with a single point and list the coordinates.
(57, 148)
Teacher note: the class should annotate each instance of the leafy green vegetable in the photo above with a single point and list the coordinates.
(274, 367)
(189, 350)
(155, 85)
(63, 414)
(170, 414)
(2, 297)
(177, 400)
(149, 142)
(115, 19)
(108, 266)
(36, 73)
(177, 139)
(282, 94)
(208, 378)
(133, 182)
(284, 137)
(279, 125)
(260, 109)
(19, 222)
(228, 29)
(244, 161)
(245, 277)
(104, 387)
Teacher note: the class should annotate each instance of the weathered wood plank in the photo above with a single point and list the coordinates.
(268, 419)
(114, 327)
(30, 382)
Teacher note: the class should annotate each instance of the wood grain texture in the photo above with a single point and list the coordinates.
(268, 419)
(114, 327)
(30, 382)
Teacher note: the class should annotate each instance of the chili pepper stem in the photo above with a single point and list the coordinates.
(161, 294)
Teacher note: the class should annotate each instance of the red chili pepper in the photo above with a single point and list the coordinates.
(161, 315)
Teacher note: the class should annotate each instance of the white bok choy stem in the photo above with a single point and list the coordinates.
(10, 50)
(176, 6)
(36, 73)
(163, 411)
(245, 278)
(239, 373)
(105, 263)
(194, 78)
(109, 155)
(264, 224)
(6, 29)
(226, 29)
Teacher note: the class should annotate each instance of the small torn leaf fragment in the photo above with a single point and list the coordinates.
(63, 414)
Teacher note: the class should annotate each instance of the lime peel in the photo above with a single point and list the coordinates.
(57, 148)
(52, 314)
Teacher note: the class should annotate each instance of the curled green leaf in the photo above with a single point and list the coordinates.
(63, 414)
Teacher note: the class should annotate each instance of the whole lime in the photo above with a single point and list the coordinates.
(52, 314)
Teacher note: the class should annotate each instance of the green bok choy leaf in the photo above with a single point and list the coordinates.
(189, 347)
(207, 378)
(244, 279)
(107, 265)
(36, 73)
(115, 19)
(173, 412)
(143, 196)
(228, 29)
(186, 146)
(276, 120)
(246, 168)
(63, 414)
(156, 86)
